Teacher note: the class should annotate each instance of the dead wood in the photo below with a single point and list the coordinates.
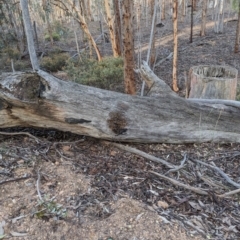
(143, 154)
(38, 99)
(224, 175)
(177, 183)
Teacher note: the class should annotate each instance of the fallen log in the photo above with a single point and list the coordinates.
(38, 99)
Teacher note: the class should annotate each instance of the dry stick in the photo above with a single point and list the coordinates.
(193, 189)
(229, 193)
(150, 41)
(158, 160)
(210, 182)
(37, 185)
(224, 175)
(21, 133)
(14, 179)
(143, 154)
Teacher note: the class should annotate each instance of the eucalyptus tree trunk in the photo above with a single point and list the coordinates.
(82, 22)
(204, 12)
(219, 16)
(19, 33)
(29, 34)
(236, 48)
(175, 44)
(128, 47)
(163, 10)
(47, 9)
(184, 8)
(90, 16)
(117, 26)
(152, 49)
(191, 27)
(111, 27)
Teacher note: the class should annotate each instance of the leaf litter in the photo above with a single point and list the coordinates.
(89, 180)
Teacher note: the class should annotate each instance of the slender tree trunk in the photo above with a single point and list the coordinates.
(90, 16)
(19, 35)
(117, 27)
(29, 33)
(110, 22)
(184, 8)
(204, 12)
(236, 49)
(191, 28)
(175, 44)
(152, 49)
(128, 47)
(46, 8)
(82, 22)
(163, 10)
(194, 5)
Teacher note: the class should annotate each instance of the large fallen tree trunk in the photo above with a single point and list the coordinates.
(41, 100)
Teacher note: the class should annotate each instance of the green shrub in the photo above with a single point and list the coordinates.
(54, 62)
(21, 65)
(56, 37)
(12, 53)
(61, 30)
(106, 74)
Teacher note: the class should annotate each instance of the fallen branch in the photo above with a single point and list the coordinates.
(210, 182)
(175, 182)
(224, 175)
(21, 133)
(164, 59)
(180, 166)
(142, 154)
(15, 179)
(37, 185)
(229, 193)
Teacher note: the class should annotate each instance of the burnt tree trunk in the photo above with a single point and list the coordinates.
(41, 100)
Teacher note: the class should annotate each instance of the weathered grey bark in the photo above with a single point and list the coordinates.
(204, 15)
(175, 45)
(29, 34)
(41, 100)
(236, 47)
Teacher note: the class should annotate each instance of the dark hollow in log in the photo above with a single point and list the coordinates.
(38, 99)
(213, 82)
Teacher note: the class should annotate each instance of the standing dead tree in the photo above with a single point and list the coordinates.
(175, 44)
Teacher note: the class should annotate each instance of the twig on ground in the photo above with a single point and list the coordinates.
(20, 133)
(74, 142)
(210, 182)
(180, 166)
(224, 175)
(175, 182)
(229, 193)
(164, 59)
(37, 185)
(142, 154)
(15, 179)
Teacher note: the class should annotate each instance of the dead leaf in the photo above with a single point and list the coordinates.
(113, 153)
(17, 234)
(194, 205)
(163, 204)
(66, 148)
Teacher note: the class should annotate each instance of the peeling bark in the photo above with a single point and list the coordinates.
(41, 100)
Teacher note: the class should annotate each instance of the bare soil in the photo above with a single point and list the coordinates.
(74, 187)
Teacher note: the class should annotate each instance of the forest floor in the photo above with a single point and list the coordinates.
(62, 186)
